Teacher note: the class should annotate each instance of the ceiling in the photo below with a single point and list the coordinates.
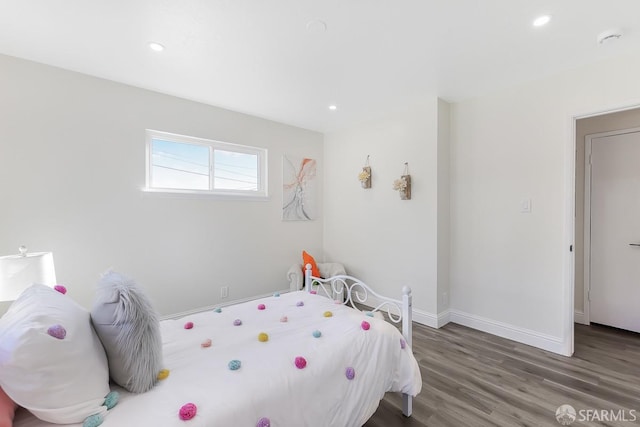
(269, 58)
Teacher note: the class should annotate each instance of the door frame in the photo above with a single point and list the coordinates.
(569, 259)
(587, 213)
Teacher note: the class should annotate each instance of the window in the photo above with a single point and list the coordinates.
(184, 164)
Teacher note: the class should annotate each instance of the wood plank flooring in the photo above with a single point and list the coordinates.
(475, 379)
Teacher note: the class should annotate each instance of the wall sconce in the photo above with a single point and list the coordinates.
(18, 272)
(403, 185)
(365, 175)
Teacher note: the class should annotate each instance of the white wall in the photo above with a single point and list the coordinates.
(385, 241)
(71, 172)
(509, 271)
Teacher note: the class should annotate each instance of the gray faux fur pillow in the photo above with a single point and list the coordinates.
(129, 329)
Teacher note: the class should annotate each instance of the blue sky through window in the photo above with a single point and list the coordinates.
(179, 165)
(235, 171)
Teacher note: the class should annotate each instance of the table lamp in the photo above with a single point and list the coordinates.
(18, 272)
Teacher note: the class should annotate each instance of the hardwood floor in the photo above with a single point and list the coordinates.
(471, 378)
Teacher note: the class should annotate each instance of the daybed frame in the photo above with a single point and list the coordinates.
(344, 288)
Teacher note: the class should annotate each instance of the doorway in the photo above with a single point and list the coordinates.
(600, 124)
(612, 232)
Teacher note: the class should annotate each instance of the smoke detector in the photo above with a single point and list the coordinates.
(609, 36)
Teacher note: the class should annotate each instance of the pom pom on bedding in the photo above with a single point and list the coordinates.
(403, 343)
(237, 322)
(300, 362)
(284, 319)
(276, 294)
(263, 422)
(369, 313)
(93, 420)
(111, 400)
(206, 343)
(57, 331)
(262, 337)
(261, 306)
(188, 325)
(234, 365)
(313, 292)
(365, 325)
(317, 334)
(328, 314)
(163, 374)
(61, 289)
(299, 303)
(218, 310)
(187, 411)
(350, 373)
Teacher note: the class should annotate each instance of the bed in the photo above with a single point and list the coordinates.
(304, 358)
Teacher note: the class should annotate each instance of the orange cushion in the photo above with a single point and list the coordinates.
(308, 259)
(7, 409)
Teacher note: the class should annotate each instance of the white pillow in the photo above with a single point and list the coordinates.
(129, 329)
(61, 381)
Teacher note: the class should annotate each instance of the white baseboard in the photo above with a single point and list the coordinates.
(424, 318)
(578, 317)
(521, 335)
(431, 320)
(223, 304)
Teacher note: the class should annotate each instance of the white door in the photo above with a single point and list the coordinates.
(615, 231)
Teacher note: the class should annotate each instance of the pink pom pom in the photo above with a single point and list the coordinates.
(365, 325)
(284, 319)
(206, 343)
(60, 289)
(301, 362)
(264, 422)
(57, 331)
(188, 411)
(261, 306)
(188, 325)
(313, 292)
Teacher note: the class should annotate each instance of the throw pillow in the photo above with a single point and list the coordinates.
(7, 409)
(308, 259)
(51, 361)
(129, 329)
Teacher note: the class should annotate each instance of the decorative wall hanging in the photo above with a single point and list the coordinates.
(365, 175)
(403, 185)
(298, 189)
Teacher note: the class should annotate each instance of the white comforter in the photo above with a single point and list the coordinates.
(268, 383)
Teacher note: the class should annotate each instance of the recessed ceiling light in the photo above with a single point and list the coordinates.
(541, 20)
(332, 107)
(157, 47)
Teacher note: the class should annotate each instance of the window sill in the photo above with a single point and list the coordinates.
(190, 194)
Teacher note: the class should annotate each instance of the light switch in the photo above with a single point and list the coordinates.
(525, 206)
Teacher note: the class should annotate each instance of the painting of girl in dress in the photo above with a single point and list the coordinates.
(298, 190)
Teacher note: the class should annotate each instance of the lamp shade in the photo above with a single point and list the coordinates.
(18, 272)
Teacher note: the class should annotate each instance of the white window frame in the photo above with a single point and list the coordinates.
(261, 153)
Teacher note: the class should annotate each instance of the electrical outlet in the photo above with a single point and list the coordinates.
(224, 292)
